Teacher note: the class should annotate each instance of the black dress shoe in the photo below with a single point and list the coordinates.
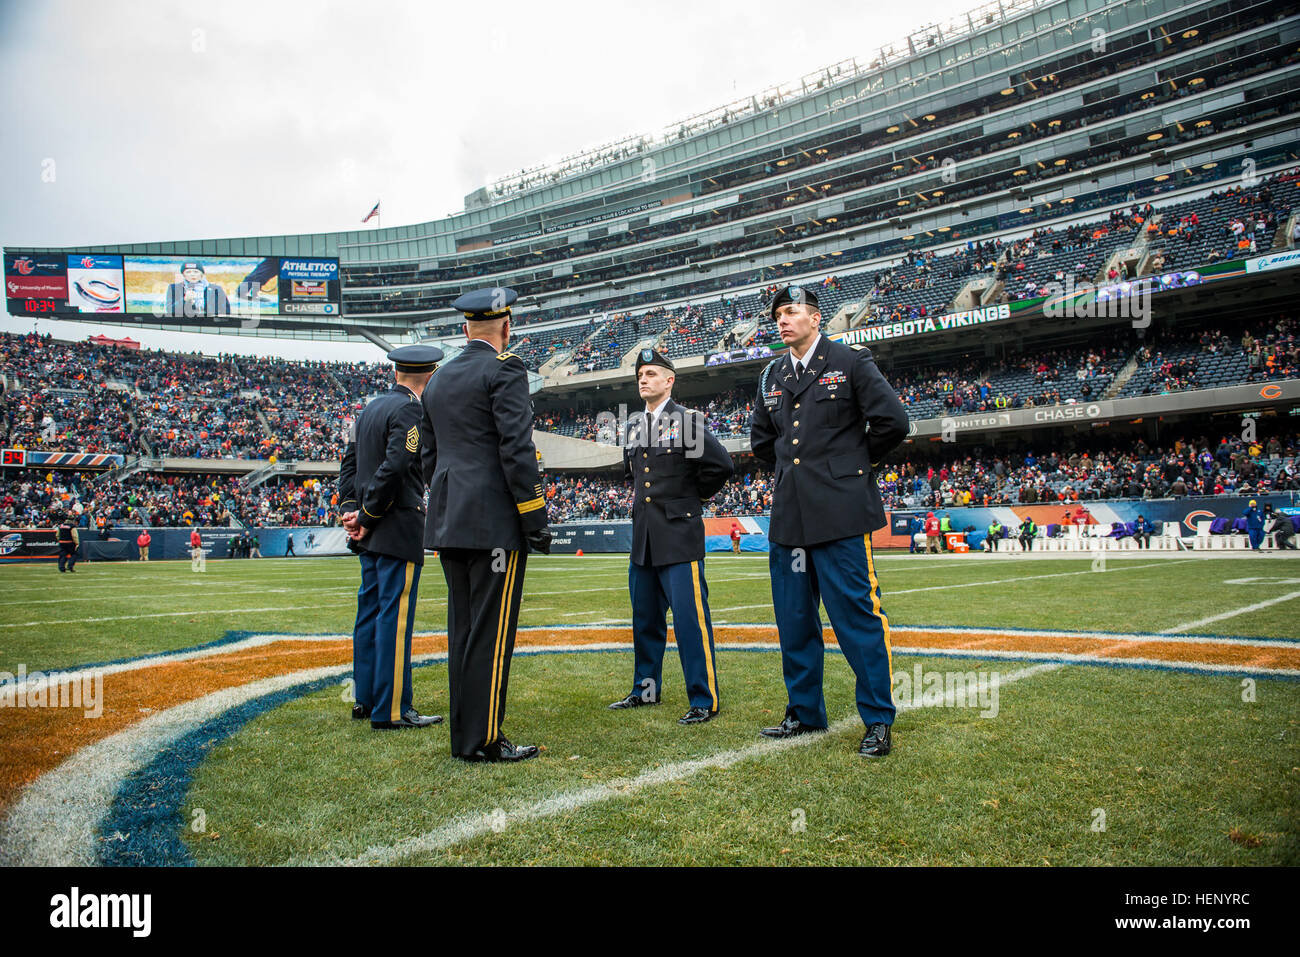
(410, 719)
(634, 700)
(360, 712)
(876, 742)
(788, 728)
(502, 750)
(696, 716)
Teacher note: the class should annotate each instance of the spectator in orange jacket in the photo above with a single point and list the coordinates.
(143, 541)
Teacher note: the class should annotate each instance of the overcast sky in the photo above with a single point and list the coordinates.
(146, 120)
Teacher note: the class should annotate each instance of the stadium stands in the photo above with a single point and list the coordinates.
(164, 500)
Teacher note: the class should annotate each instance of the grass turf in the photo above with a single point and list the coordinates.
(109, 611)
(1176, 762)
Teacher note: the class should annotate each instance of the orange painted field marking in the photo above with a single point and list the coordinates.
(35, 740)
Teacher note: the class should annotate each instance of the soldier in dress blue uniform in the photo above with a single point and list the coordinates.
(826, 417)
(381, 497)
(675, 464)
(486, 509)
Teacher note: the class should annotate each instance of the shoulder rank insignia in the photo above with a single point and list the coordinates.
(857, 347)
(508, 355)
(413, 439)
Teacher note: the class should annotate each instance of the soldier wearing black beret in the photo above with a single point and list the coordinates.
(825, 417)
(381, 498)
(486, 510)
(675, 464)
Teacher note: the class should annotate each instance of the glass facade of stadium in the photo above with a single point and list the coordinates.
(1019, 114)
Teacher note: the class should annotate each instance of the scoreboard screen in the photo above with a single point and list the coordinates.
(204, 290)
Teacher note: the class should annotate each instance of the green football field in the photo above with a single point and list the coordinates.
(1145, 711)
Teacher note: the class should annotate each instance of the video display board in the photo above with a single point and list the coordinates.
(202, 290)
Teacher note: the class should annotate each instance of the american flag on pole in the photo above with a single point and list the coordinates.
(372, 214)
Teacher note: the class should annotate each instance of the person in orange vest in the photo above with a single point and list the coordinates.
(143, 541)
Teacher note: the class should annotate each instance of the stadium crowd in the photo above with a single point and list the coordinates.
(79, 396)
(163, 500)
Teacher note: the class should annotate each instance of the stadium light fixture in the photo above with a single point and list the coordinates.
(1008, 91)
(1196, 81)
(891, 129)
(1013, 135)
(1067, 199)
(1060, 162)
(928, 116)
(1162, 177)
(1155, 136)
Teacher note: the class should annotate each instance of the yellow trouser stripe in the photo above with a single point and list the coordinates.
(399, 645)
(875, 606)
(531, 505)
(704, 634)
(498, 653)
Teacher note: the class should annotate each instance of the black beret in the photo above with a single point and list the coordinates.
(792, 294)
(651, 357)
(415, 358)
(492, 303)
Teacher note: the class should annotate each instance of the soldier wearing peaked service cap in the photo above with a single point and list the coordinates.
(826, 417)
(486, 510)
(381, 496)
(674, 464)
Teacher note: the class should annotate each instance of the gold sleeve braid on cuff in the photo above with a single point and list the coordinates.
(531, 505)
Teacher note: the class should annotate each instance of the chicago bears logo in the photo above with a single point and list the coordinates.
(1197, 516)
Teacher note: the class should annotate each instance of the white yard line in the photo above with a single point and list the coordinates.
(164, 614)
(469, 826)
(1246, 609)
(1022, 578)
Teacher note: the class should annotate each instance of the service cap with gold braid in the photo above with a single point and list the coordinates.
(414, 359)
(491, 303)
